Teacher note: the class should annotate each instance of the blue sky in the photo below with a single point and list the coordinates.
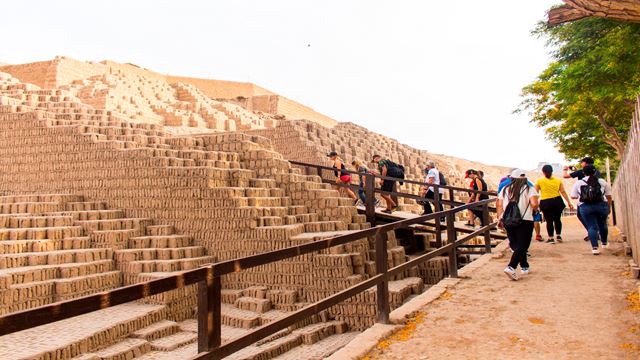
(442, 76)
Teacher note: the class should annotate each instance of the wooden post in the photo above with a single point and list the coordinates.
(209, 313)
(382, 290)
(436, 204)
(451, 238)
(451, 198)
(370, 195)
(487, 234)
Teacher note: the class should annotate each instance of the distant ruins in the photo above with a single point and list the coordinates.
(112, 174)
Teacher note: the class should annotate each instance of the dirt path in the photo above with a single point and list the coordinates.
(573, 305)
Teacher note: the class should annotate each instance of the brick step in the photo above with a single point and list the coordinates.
(158, 330)
(85, 205)
(297, 210)
(262, 183)
(54, 257)
(238, 318)
(172, 342)
(27, 274)
(150, 266)
(161, 241)
(306, 218)
(38, 233)
(30, 207)
(82, 215)
(116, 239)
(270, 221)
(127, 255)
(56, 198)
(322, 226)
(159, 230)
(78, 286)
(39, 221)
(22, 246)
(123, 350)
(115, 224)
(219, 164)
(98, 331)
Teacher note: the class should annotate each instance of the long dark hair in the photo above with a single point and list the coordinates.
(515, 188)
(590, 171)
(547, 170)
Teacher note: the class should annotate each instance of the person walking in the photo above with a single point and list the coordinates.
(515, 205)
(579, 174)
(551, 192)
(594, 202)
(432, 176)
(362, 171)
(536, 217)
(343, 179)
(478, 184)
(390, 169)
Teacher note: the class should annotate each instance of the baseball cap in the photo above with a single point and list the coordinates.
(332, 153)
(588, 160)
(518, 173)
(469, 172)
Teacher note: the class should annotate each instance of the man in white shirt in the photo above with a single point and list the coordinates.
(432, 176)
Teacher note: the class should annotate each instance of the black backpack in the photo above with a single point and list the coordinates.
(592, 192)
(443, 181)
(512, 217)
(395, 170)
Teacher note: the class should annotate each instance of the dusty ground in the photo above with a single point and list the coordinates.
(573, 305)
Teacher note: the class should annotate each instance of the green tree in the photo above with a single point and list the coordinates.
(586, 96)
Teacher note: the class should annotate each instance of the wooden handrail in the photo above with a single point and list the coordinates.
(209, 285)
(378, 176)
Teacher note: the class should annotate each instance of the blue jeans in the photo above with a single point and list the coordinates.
(595, 219)
(362, 196)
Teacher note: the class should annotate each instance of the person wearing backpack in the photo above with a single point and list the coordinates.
(594, 203)
(515, 206)
(390, 169)
(432, 176)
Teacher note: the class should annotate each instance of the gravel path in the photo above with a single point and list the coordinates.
(573, 305)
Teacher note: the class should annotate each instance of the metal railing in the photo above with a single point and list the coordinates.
(208, 280)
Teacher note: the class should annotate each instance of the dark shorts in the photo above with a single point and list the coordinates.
(387, 185)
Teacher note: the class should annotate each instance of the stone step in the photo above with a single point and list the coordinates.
(159, 230)
(81, 334)
(150, 266)
(84, 285)
(22, 246)
(161, 241)
(40, 221)
(172, 342)
(115, 224)
(322, 226)
(40, 198)
(91, 214)
(127, 255)
(27, 274)
(85, 205)
(38, 233)
(158, 330)
(54, 257)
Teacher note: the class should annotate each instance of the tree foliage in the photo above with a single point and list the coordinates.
(586, 96)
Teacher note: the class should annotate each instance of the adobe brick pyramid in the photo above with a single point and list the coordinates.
(111, 174)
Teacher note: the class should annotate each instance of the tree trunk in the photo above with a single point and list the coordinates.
(611, 137)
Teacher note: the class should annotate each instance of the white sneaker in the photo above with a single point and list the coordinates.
(605, 246)
(511, 273)
(525, 271)
(595, 251)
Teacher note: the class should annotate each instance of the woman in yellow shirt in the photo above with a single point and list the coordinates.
(551, 192)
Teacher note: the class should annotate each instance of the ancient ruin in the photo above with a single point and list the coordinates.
(112, 174)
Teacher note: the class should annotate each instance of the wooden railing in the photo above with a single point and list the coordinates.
(208, 280)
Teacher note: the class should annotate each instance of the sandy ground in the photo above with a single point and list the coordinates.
(573, 305)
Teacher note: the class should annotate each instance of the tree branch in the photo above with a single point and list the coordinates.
(611, 136)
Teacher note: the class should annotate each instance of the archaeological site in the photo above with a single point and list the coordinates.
(113, 175)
